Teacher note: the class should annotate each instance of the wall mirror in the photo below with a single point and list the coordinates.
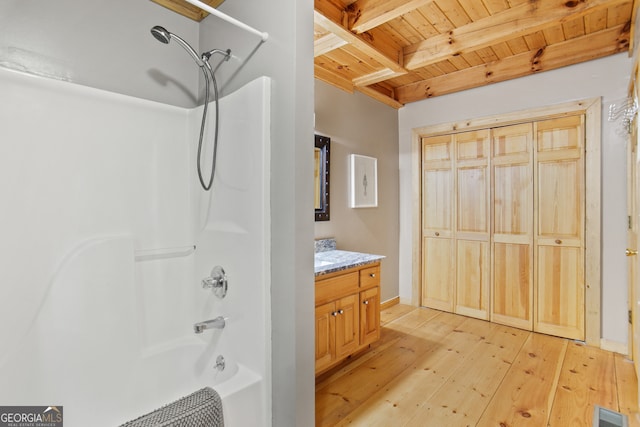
(321, 184)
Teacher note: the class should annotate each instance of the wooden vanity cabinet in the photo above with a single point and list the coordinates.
(347, 313)
(369, 316)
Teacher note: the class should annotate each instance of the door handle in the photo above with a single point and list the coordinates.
(630, 252)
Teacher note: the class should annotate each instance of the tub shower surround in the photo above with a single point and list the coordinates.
(99, 297)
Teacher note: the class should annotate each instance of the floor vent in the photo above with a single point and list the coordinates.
(603, 417)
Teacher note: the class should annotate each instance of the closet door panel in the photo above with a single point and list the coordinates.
(438, 273)
(472, 201)
(438, 204)
(512, 290)
(437, 201)
(472, 278)
(559, 203)
(472, 223)
(560, 288)
(437, 186)
(512, 224)
(512, 143)
(560, 199)
(513, 207)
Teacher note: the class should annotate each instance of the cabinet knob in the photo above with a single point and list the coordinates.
(341, 311)
(437, 233)
(366, 302)
(334, 314)
(373, 275)
(558, 241)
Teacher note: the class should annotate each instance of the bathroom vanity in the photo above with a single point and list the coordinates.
(347, 304)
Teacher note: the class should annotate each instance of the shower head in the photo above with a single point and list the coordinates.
(164, 36)
(161, 34)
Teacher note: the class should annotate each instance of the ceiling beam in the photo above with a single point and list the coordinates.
(376, 77)
(367, 14)
(326, 44)
(390, 101)
(634, 28)
(526, 18)
(333, 79)
(580, 49)
(329, 17)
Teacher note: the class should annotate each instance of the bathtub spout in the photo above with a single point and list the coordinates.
(217, 323)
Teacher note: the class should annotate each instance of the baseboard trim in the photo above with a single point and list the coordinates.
(389, 303)
(616, 347)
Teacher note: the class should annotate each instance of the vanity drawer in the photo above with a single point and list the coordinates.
(336, 287)
(370, 276)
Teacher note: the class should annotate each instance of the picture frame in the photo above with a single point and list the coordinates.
(363, 181)
(321, 180)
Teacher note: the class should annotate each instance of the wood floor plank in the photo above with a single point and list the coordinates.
(627, 389)
(387, 339)
(525, 396)
(389, 336)
(464, 396)
(392, 313)
(439, 369)
(336, 400)
(414, 320)
(397, 403)
(587, 378)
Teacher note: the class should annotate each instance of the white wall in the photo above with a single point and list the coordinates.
(287, 57)
(102, 44)
(607, 78)
(358, 124)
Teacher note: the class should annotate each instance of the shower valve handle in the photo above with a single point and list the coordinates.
(217, 282)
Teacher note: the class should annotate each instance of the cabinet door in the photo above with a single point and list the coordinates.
(560, 227)
(369, 316)
(347, 332)
(325, 335)
(512, 242)
(438, 267)
(472, 224)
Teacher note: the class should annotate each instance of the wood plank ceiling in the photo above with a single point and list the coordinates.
(402, 51)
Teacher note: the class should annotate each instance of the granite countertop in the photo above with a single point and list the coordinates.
(328, 259)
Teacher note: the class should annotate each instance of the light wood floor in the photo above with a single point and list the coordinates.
(438, 369)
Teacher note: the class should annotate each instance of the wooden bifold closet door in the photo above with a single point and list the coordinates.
(512, 239)
(559, 205)
(503, 225)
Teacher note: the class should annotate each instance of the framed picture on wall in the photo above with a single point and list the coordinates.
(363, 185)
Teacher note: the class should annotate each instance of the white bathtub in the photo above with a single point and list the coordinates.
(242, 397)
(193, 367)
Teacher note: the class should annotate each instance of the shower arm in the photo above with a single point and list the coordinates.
(207, 55)
(226, 53)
